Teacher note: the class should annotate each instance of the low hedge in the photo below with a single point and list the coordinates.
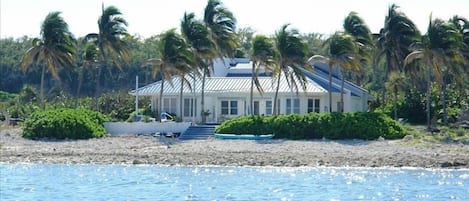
(355, 125)
(64, 123)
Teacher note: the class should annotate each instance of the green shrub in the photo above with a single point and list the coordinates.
(356, 125)
(64, 123)
(246, 125)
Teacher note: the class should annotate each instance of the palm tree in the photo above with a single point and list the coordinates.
(343, 51)
(356, 27)
(291, 60)
(221, 25)
(198, 35)
(394, 41)
(396, 82)
(110, 41)
(55, 48)
(90, 58)
(263, 54)
(165, 72)
(176, 58)
(462, 24)
(439, 48)
(458, 72)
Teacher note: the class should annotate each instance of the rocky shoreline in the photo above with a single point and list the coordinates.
(132, 149)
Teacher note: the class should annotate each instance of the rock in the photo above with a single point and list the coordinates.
(408, 138)
(381, 139)
(136, 162)
(452, 164)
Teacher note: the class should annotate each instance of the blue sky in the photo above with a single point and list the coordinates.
(151, 17)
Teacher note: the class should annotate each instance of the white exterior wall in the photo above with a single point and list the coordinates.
(118, 128)
(213, 104)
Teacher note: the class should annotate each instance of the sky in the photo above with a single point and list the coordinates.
(151, 17)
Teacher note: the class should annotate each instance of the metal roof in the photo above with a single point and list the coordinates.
(225, 85)
(237, 78)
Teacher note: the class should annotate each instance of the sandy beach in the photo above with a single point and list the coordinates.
(132, 149)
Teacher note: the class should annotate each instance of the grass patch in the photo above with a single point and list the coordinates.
(445, 135)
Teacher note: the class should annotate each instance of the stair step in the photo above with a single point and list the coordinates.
(200, 132)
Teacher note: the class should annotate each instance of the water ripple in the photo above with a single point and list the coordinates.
(147, 182)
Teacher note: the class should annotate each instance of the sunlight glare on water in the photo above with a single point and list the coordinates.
(148, 182)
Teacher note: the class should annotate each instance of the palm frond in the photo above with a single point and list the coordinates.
(222, 25)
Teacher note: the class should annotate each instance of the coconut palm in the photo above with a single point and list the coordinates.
(55, 48)
(110, 41)
(357, 28)
(221, 25)
(396, 81)
(263, 54)
(462, 24)
(291, 60)
(176, 59)
(165, 73)
(394, 41)
(198, 36)
(439, 48)
(458, 72)
(342, 51)
(90, 58)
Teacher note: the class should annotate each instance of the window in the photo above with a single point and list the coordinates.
(317, 105)
(170, 105)
(313, 105)
(278, 106)
(296, 106)
(268, 107)
(288, 106)
(229, 107)
(224, 107)
(233, 107)
(256, 107)
(190, 107)
(292, 107)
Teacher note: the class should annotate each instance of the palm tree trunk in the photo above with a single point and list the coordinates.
(330, 88)
(103, 60)
(276, 95)
(252, 90)
(98, 89)
(80, 82)
(386, 77)
(41, 93)
(160, 101)
(341, 109)
(428, 98)
(443, 99)
(202, 99)
(180, 96)
(395, 103)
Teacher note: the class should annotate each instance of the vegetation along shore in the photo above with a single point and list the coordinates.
(389, 99)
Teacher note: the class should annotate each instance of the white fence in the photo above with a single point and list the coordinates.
(116, 128)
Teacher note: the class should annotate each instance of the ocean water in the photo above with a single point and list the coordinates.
(149, 182)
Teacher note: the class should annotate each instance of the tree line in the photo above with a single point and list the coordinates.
(410, 74)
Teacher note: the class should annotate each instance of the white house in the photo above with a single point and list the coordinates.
(227, 93)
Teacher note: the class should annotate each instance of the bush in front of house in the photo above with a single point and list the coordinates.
(361, 125)
(355, 125)
(297, 127)
(246, 125)
(64, 124)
